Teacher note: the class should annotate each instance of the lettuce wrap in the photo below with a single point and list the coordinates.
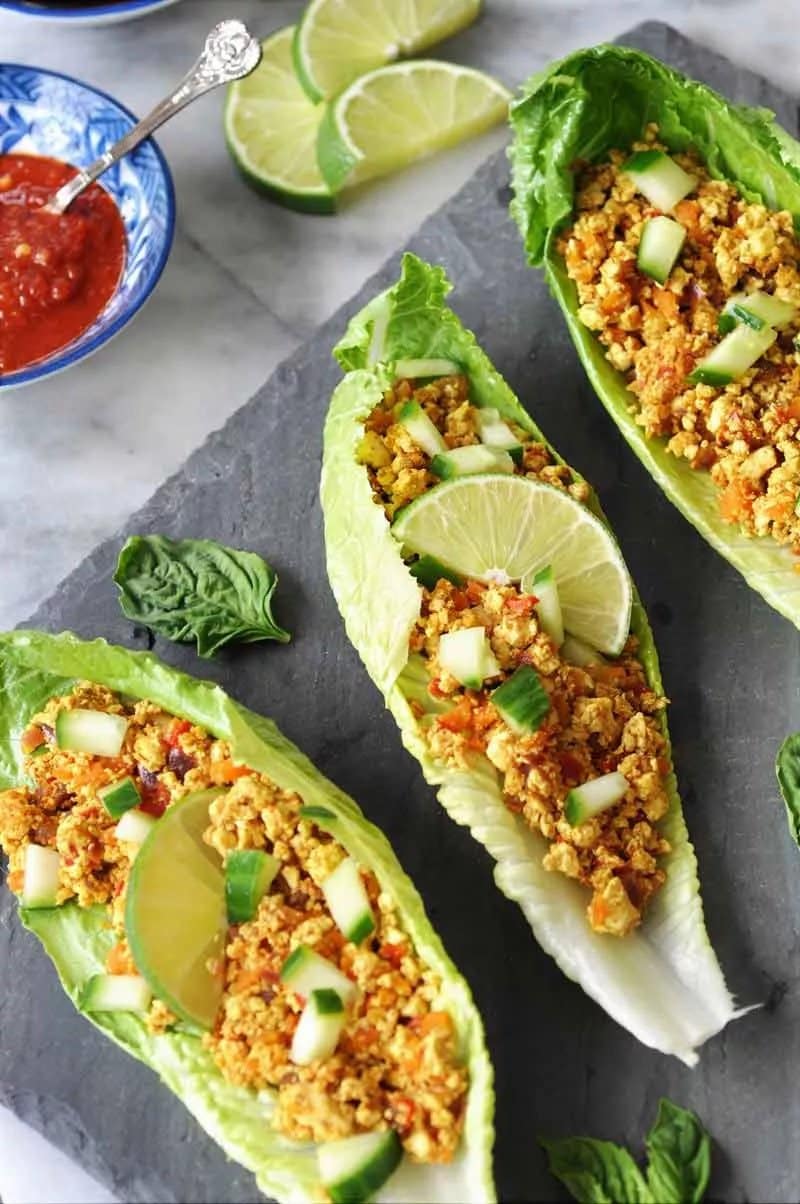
(35, 666)
(577, 111)
(663, 981)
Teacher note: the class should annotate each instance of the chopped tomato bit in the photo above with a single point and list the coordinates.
(524, 604)
(176, 730)
(393, 953)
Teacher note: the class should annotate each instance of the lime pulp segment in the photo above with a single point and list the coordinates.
(175, 911)
(500, 528)
(393, 116)
(338, 40)
(271, 128)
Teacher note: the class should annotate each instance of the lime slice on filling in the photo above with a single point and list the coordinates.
(175, 911)
(271, 129)
(338, 40)
(387, 119)
(497, 528)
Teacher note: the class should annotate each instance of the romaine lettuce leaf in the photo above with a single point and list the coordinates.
(578, 110)
(662, 982)
(33, 667)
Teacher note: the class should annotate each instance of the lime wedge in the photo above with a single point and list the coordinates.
(175, 911)
(338, 40)
(498, 528)
(389, 118)
(271, 129)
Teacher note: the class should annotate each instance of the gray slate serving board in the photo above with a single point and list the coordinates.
(730, 665)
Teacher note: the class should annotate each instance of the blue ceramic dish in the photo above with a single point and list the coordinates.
(97, 14)
(44, 113)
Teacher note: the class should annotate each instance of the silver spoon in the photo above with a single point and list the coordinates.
(230, 53)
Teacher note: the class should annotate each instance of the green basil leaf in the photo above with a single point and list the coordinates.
(787, 767)
(197, 589)
(596, 1172)
(679, 1154)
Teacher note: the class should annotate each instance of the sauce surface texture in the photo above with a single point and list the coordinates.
(57, 273)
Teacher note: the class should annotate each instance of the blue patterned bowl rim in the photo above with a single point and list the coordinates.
(59, 360)
(82, 13)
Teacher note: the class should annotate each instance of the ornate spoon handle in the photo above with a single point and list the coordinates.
(230, 53)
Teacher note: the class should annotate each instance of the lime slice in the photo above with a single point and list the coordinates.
(397, 114)
(338, 40)
(175, 911)
(271, 129)
(497, 528)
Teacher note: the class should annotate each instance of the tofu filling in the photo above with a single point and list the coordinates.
(744, 433)
(396, 1065)
(603, 717)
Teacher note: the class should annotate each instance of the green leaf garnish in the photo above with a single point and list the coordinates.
(600, 1172)
(787, 767)
(197, 589)
(679, 1153)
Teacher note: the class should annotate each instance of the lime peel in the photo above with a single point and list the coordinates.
(271, 129)
(338, 40)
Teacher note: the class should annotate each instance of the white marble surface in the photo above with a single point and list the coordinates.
(246, 282)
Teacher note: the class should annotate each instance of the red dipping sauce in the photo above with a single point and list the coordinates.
(57, 273)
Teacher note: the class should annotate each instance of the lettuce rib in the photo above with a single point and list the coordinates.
(577, 111)
(662, 982)
(33, 667)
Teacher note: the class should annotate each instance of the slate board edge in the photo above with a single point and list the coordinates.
(54, 1118)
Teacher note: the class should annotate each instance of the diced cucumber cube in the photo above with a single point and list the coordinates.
(319, 1028)
(474, 458)
(116, 993)
(522, 701)
(594, 796)
(305, 971)
(467, 655)
(354, 1169)
(548, 608)
(134, 827)
(40, 876)
(659, 247)
(577, 652)
(249, 873)
(428, 571)
(421, 429)
(120, 797)
(425, 369)
(348, 902)
(659, 178)
(757, 310)
(731, 358)
(494, 432)
(94, 732)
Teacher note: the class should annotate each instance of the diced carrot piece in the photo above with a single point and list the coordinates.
(224, 772)
(735, 502)
(15, 881)
(687, 212)
(119, 960)
(666, 303)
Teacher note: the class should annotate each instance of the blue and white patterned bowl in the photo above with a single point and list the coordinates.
(74, 14)
(44, 113)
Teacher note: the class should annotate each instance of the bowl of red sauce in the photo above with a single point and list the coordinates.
(69, 283)
(86, 12)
